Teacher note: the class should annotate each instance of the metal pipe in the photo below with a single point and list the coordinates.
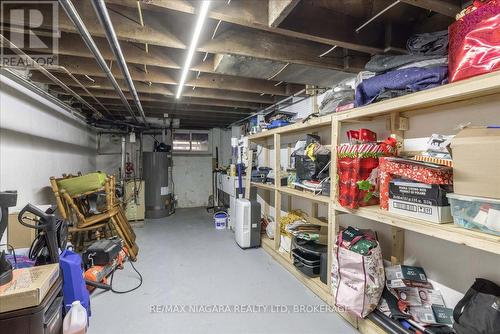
(44, 71)
(103, 15)
(89, 41)
(14, 75)
(65, 70)
(377, 15)
(124, 153)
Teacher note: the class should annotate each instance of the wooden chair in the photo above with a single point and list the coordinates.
(75, 208)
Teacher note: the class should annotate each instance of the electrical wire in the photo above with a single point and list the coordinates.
(109, 287)
(130, 290)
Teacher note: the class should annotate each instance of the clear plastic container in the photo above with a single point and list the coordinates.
(476, 212)
(75, 321)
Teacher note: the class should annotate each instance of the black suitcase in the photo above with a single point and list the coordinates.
(307, 263)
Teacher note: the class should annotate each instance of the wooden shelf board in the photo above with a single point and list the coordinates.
(314, 284)
(479, 86)
(449, 231)
(365, 326)
(262, 185)
(305, 194)
(296, 127)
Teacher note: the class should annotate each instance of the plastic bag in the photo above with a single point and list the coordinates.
(357, 280)
(270, 228)
(474, 47)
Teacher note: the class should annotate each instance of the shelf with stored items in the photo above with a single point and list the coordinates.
(448, 231)
(475, 87)
(477, 91)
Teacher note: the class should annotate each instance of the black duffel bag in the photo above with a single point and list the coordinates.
(478, 312)
(307, 169)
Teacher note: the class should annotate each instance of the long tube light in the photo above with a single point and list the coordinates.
(192, 47)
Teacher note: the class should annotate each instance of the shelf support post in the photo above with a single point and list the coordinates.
(277, 192)
(267, 193)
(398, 245)
(248, 175)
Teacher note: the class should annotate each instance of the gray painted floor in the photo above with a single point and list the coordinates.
(185, 261)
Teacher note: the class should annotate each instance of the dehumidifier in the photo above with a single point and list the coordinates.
(247, 223)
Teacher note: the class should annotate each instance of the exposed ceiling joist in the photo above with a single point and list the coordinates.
(86, 66)
(168, 108)
(166, 90)
(278, 10)
(168, 99)
(252, 14)
(175, 113)
(439, 6)
(237, 40)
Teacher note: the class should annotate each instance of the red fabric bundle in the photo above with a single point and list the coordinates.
(413, 170)
(474, 42)
(355, 164)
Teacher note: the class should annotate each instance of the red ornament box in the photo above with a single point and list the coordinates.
(423, 172)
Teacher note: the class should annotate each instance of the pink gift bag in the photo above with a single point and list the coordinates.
(357, 280)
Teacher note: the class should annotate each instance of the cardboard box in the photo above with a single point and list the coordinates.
(420, 200)
(476, 162)
(28, 287)
(401, 276)
(19, 236)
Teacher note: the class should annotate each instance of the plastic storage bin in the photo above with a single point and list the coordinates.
(307, 263)
(476, 212)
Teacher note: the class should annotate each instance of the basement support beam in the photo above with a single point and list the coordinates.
(166, 90)
(252, 14)
(86, 66)
(278, 10)
(99, 93)
(439, 6)
(237, 40)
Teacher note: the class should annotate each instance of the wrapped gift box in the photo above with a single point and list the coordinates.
(424, 172)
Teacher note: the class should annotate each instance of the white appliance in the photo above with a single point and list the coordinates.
(247, 223)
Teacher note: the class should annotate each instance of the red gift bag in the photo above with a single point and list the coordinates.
(355, 164)
(474, 42)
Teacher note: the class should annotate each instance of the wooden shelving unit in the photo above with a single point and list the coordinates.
(262, 185)
(305, 195)
(449, 232)
(466, 92)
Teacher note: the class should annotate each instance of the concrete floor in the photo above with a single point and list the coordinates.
(185, 261)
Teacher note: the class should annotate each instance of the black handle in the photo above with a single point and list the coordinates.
(44, 218)
(103, 286)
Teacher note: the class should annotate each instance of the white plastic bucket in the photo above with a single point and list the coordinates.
(220, 220)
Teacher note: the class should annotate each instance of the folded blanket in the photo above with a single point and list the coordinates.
(411, 79)
(441, 61)
(337, 97)
(384, 63)
(386, 94)
(433, 43)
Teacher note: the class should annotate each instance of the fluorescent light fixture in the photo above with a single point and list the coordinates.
(192, 47)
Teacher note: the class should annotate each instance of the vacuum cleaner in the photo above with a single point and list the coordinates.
(7, 199)
(52, 234)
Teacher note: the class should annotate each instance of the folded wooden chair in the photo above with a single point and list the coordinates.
(74, 207)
